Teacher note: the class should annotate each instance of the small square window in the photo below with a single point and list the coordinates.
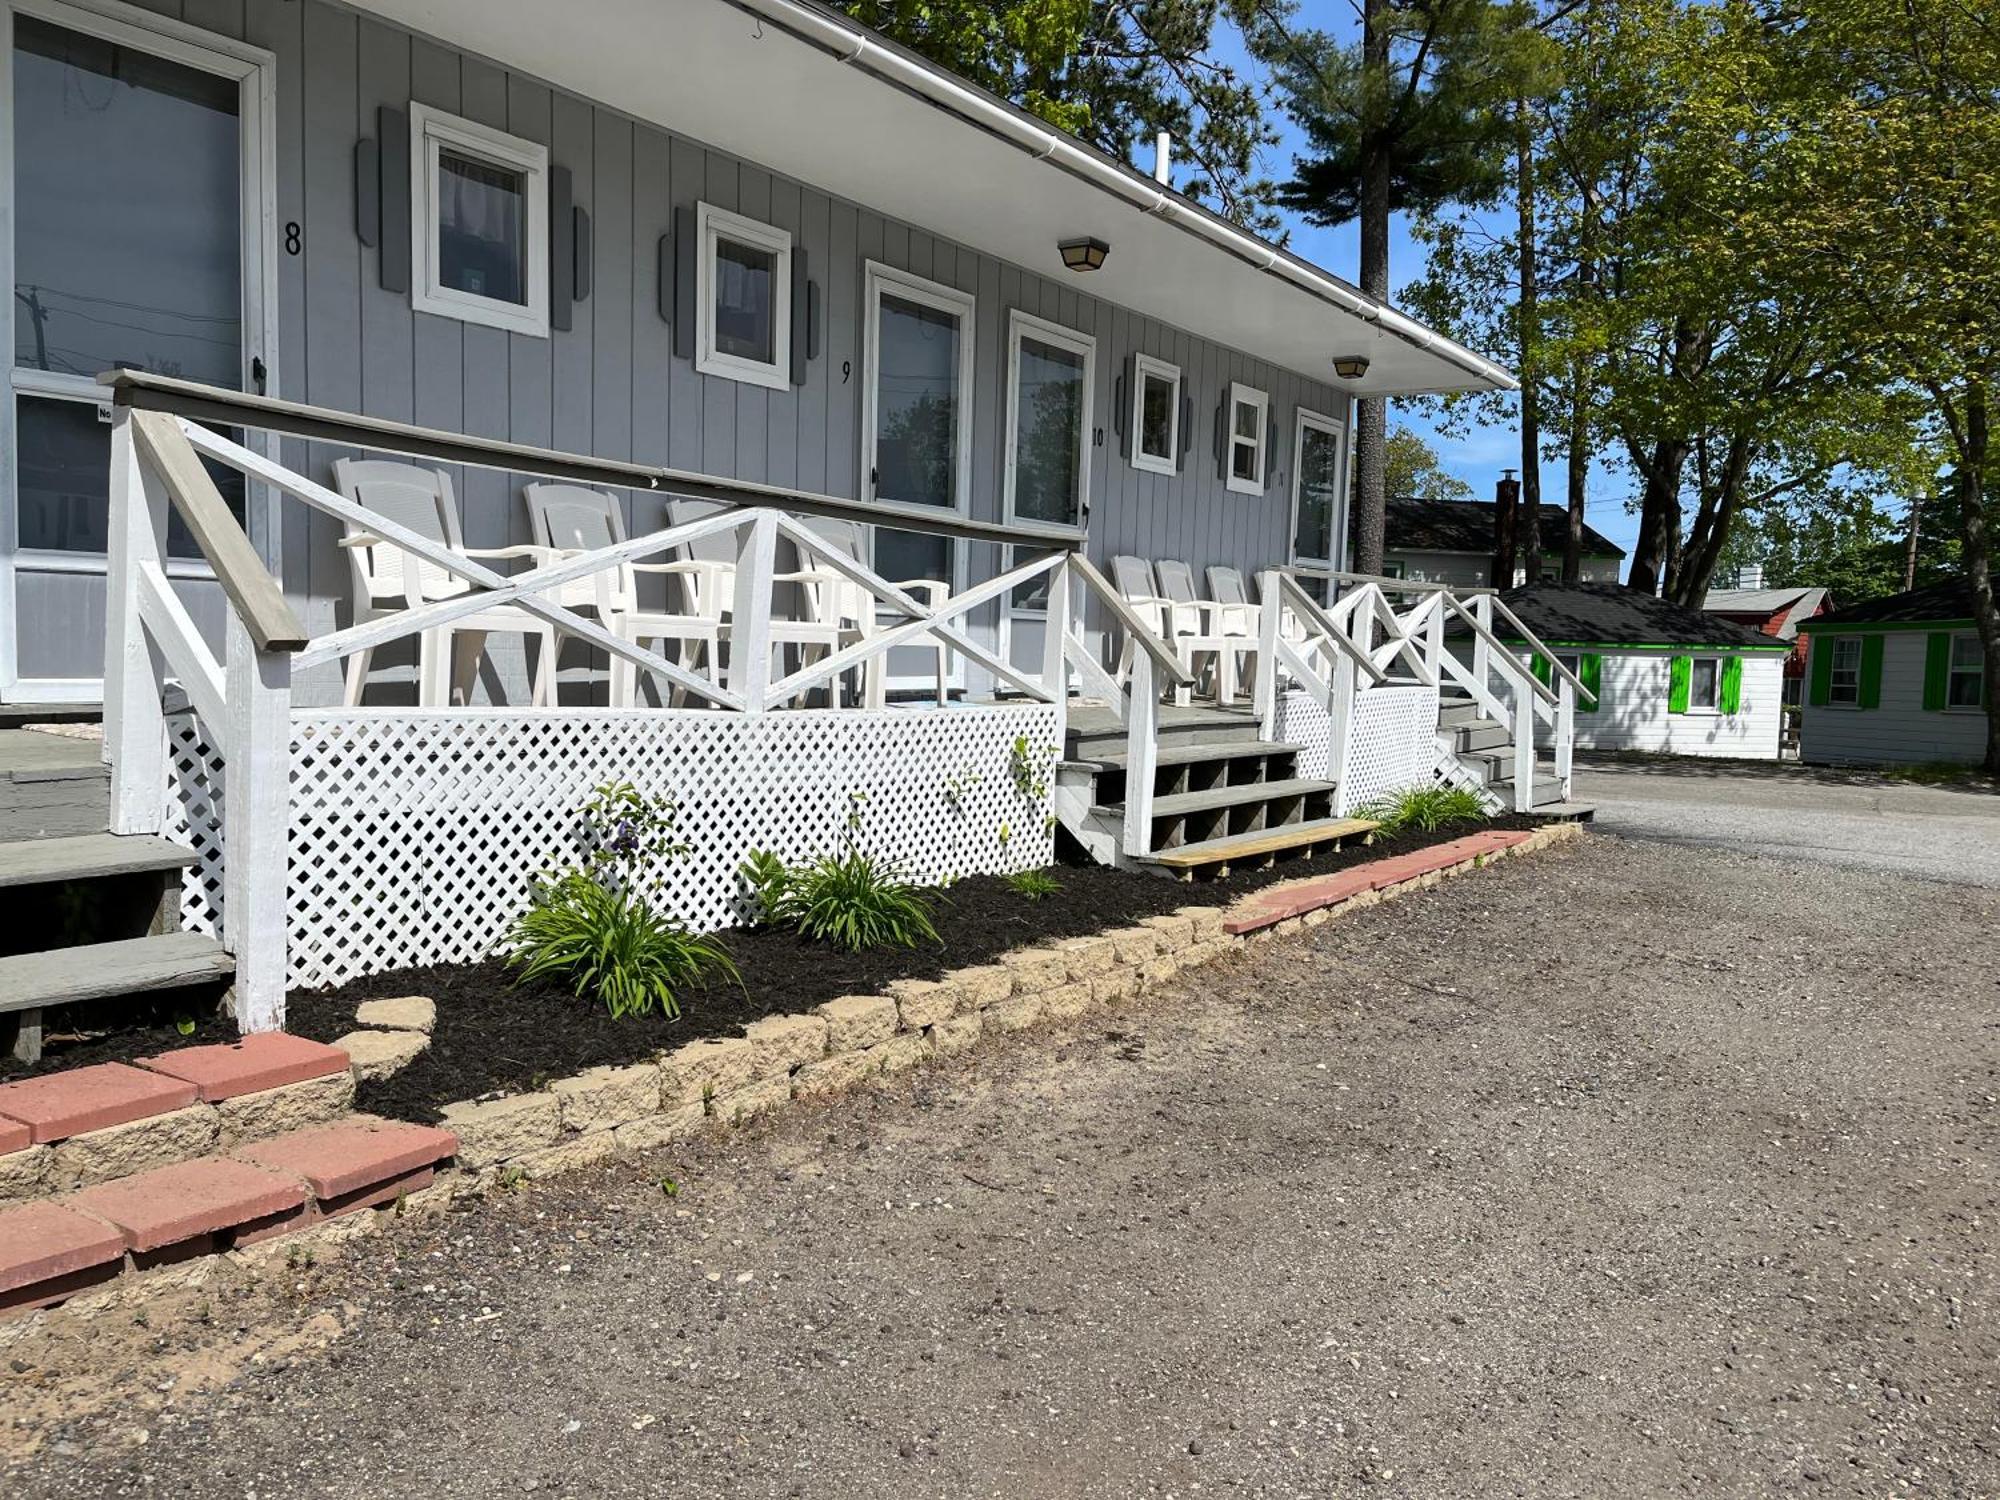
(1844, 679)
(480, 223)
(1249, 422)
(1965, 683)
(1705, 684)
(743, 293)
(1156, 415)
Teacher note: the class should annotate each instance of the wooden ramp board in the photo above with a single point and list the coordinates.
(89, 856)
(1182, 755)
(98, 971)
(1251, 847)
(1216, 798)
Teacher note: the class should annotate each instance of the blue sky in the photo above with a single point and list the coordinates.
(1482, 451)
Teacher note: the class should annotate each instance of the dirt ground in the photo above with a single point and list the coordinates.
(1628, 1170)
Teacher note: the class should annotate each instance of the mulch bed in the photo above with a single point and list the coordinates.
(495, 1035)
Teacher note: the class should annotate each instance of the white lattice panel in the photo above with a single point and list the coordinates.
(194, 818)
(1391, 743)
(1304, 721)
(415, 838)
(1451, 771)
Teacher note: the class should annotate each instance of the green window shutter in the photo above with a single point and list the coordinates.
(1871, 671)
(1544, 673)
(1590, 667)
(1679, 673)
(1937, 669)
(1732, 684)
(1822, 671)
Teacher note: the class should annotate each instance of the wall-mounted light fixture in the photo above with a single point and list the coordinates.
(1350, 366)
(1083, 255)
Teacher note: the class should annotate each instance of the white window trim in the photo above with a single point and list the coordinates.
(1152, 463)
(430, 129)
(1247, 395)
(1705, 710)
(1833, 645)
(1337, 522)
(714, 224)
(1977, 671)
(879, 279)
(1021, 324)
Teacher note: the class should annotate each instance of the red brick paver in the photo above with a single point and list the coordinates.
(1276, 904)
(14, 1136)
(190, 1198)
(66, 1104)
(42, 1241)
(268, 1060)
(337, 1160)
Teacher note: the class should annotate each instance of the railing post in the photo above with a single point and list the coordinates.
(1055, 668)
(1341, 701)
(750, 620)
(1270, 616)
(1565, 733)
(256, 811)
(1142, 749)
(135, 729)
(1434, 643)
(1524, 738)
(1482, 663)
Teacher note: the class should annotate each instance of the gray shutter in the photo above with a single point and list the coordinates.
(392, 132)
(368, 192)
(1187, 427)
(663, 279)
(1222, 438)
(562, 249)
(1271, 475)
(584, 256)
(801, 316)
(1124, 396)
(684, 254)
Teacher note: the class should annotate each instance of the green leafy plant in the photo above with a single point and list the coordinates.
(1424, 809)
(1029, 766)
(1034, 885)
(850, 900)
(611, 945)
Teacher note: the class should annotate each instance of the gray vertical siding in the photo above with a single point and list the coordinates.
(609, 384)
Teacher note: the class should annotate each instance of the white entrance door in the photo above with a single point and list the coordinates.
(1319, 497)
(138, 186)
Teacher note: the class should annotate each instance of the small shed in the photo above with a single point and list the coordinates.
(1668, 678)
(1896, 681)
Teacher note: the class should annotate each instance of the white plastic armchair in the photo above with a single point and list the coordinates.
(1195, 629)
(1133, 578)
(1238, 622)
(569, 519)
(388, 580)
(855, 607)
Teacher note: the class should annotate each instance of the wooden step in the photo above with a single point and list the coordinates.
(98, 971)
(1182, 803)
(89, 856)
(1259, 848)
(1186, 755)
(1546, 791)
(51, 786)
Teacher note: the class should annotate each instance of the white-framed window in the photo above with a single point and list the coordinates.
(916, 422)
(1156, 415)
(1705, 685)
(480, 223)
(1249, 435)
(1319, 492)
(1395, 568)
(743, 292)
(1050, 370)
(1843, 683)
(1965, 682)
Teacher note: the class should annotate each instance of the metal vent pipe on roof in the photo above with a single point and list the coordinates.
(1163, 158)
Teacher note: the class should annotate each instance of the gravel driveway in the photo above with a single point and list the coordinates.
(1628, 1170)
(1854, 819)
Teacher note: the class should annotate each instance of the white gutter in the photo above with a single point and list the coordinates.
(848, 43)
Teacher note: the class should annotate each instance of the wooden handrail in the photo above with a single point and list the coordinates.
(1409, 585)
(1533, 643)
(259, 603)
(1128, 619)
(144, 391)
(1310, 607)
(1540, 689)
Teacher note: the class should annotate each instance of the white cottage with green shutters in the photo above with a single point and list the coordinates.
(1666, 678)
(1896, 681)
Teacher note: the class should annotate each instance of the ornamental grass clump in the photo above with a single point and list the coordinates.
(1425, 809)
(1034, 885)
(595, 927)
(850, 900)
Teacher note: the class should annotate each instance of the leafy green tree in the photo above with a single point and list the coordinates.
(1413, 468)
(1415, 114)
(1114, 72)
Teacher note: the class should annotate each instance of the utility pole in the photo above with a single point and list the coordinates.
(32, 297)
(1506, 512)
(1910, 544)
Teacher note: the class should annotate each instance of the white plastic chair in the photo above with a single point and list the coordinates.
(388, 580)
(569, 519)
(1238, 622)
(1133, 578)
(852, 603)
(1194, 629)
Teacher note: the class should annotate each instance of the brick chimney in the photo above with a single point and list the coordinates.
(1506, 519)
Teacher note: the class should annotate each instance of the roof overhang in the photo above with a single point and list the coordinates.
(804, 91)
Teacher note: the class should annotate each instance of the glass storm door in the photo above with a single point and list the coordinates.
(128, 184)
(1319, 498)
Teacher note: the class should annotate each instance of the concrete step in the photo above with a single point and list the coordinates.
(1546, 791)
(1256, 850)
(89, 856)
(99, 971)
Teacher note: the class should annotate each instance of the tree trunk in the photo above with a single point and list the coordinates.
(1695, 565)
(1910, 545)
(1506, 530)
(1527, 313)
(1371, 417)
(1659, 510)
(1579, 475)
(1978, 555)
